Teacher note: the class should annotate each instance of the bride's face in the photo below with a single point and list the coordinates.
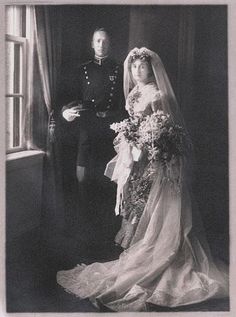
(140, 71)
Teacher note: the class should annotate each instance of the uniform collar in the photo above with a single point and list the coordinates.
(100, 60)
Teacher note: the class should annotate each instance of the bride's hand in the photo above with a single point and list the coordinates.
(136, 153)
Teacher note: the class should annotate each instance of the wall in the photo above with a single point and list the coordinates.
(156, 27)
(23, 192)
(209, 115)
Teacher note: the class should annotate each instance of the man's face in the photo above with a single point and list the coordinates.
(100, 43)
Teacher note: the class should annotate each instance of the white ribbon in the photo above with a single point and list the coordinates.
(119, 168)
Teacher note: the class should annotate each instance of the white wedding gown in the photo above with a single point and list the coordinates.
(167, 264)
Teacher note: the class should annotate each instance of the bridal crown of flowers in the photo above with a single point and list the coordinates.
(142, 54)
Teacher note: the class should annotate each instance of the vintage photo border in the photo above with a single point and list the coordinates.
(232, 152)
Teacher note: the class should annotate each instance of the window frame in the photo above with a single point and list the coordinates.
(22, 41)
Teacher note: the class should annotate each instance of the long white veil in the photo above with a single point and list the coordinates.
(168, 100)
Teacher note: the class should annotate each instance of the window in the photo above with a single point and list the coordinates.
(16, 52)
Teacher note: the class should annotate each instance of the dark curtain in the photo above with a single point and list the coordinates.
(48, 43)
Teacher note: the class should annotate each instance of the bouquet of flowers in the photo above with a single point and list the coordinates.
(129, 128)
(155, 134)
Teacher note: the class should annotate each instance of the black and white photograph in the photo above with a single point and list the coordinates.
(117, 150)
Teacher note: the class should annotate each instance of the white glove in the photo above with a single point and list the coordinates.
(136, 153)
(71, 113)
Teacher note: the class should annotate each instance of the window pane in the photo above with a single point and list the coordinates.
(14, 20)
(13, 122)
(13, 67)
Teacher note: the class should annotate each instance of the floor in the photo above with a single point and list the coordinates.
(34, 258)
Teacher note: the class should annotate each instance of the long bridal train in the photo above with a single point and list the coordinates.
(167, 265)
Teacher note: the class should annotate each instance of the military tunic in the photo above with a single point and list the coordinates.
(99, 90)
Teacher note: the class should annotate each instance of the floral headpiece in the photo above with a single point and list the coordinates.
(141, 54)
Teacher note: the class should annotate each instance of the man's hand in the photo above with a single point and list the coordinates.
(71, 113)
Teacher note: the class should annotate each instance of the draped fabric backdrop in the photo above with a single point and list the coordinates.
(28, 119)
(48, 48)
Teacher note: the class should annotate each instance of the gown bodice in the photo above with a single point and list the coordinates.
(141, 99)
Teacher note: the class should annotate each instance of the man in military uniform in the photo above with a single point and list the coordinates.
(99, 102)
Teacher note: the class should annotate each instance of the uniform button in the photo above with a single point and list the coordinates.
(113, 82)
(84, 67)
(116, 71)
(86, 72)
(109, 100)
(117, 66)
(93, 100)
(112, 88)
(86, 77)
(88, 82)
(108, 107)
(111, 94)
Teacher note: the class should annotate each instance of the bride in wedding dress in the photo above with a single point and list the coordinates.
(166, 260)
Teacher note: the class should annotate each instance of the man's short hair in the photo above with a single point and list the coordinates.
(102, 29)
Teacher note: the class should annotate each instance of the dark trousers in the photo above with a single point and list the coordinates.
(96, 202)
(89, 200)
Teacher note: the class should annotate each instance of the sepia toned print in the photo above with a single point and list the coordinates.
(60, 209)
